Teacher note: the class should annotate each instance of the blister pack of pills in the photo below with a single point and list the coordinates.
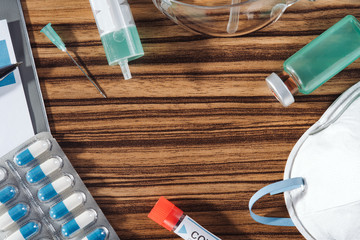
(42, 197)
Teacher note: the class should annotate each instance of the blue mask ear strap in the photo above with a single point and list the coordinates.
(272, 189)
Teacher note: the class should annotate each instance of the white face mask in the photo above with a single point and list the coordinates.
(322, 175)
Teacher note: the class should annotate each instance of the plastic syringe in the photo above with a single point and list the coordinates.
(55, 39)
(118, 33)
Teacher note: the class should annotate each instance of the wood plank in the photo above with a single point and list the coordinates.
(196, 124)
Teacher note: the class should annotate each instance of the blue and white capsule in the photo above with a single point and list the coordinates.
(7, 194)
(55, 188)
(43, 170)
(25, 232)
(64, 207)
(3, 174)
(97, 234)
(32, 152)
(80, 222)
(13, 215)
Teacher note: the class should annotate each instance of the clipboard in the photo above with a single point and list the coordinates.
(11, 10)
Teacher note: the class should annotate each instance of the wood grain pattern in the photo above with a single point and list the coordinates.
(196, 124)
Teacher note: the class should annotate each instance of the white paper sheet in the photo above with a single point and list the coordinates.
(15, 122)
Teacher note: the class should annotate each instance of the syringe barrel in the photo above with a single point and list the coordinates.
(111, 15)
(117, 30)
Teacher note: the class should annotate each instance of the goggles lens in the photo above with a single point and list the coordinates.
(223, 18)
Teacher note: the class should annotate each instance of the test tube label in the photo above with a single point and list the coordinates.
(189, 229)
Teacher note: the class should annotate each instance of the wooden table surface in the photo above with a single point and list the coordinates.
(196, 124)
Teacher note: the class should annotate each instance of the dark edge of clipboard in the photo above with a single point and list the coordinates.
(31, 84)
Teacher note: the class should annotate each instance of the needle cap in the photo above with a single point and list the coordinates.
(53, 36)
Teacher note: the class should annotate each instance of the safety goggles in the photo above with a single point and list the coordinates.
(223, 18)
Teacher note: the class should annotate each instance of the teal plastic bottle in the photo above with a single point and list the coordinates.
(318, 61)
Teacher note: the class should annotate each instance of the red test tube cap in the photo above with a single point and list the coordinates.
(165, 213)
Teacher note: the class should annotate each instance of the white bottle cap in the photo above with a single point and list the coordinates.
(280, 90)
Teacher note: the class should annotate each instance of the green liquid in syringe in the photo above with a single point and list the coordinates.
(122, 45)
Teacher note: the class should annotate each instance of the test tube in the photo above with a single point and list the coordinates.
(118, 33)
(166, 214)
